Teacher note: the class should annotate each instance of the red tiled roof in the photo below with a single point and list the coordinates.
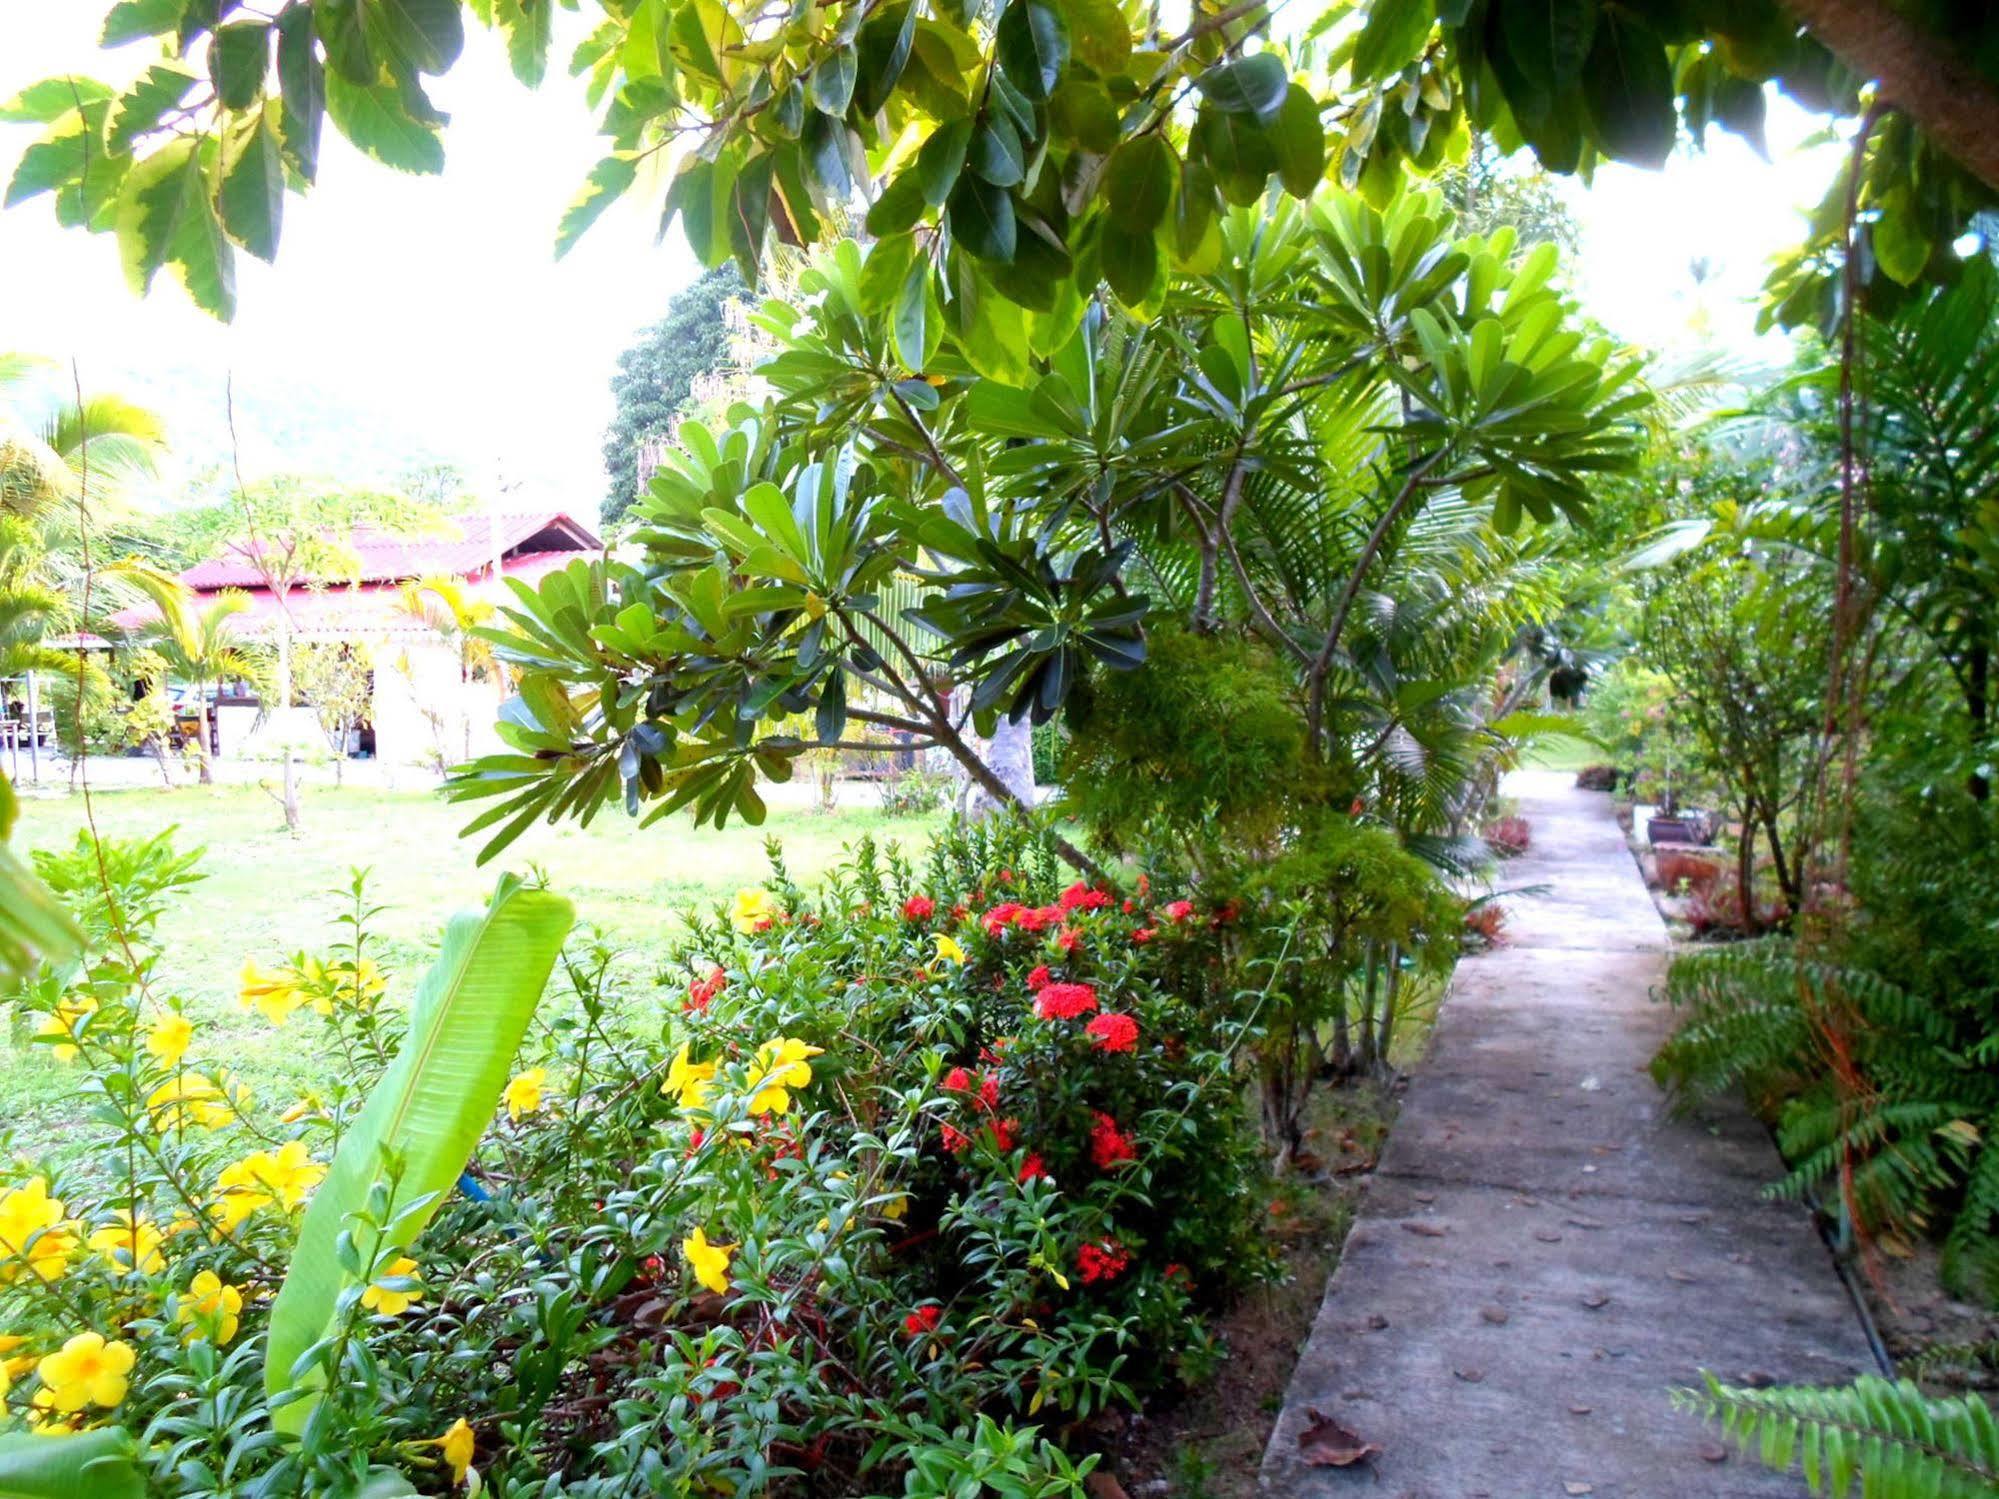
(466, 546)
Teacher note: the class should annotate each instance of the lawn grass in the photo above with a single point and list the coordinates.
(267, 895)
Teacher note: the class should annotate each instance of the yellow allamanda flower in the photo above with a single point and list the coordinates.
(188, 1100)
(523, 1093)
(689, 1079)
(169, 1037)
(66, 1020)
(127, 1244)
(710, 1262)
(781, 1066)
(388, 1301)
(209, 1308)
(86, 1371)
(751, 909)
(34, 1232)
(457, 1446)
(283, 1177)
(273, 993)
(948, 950)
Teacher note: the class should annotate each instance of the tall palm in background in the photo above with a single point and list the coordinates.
(455, 614)
(199, 644)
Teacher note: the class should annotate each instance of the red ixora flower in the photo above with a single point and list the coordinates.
(957, 1080)
(701, 992)
(918, 908)
(1113, 1032)
(989, 1091)
(1179, 910)
(1080, 897)
(1006, 1134)
(1105, 1260)
(1109, 1145)
(1002, 916)
(923, 1320)
(1040, 979)
(1034, 1168)
(1069, 939)
(1064, 1001)
(1039, 918)
(955, 1140)
(1145, 934)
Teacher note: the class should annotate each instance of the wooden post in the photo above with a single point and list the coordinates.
(34, 732)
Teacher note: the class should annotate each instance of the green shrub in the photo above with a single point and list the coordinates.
(874, 1187)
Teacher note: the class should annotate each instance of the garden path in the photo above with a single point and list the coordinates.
(1544, 1253)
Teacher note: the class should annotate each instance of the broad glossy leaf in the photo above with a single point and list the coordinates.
(898, 208)
(1901, 248)
(1032, 41)
(1392, 37)
(238, 57)
(302, 88)
(427, 34)
(1138, 183)
(1083, 112)
(251, 200)
(1099, 35)
(100, 1464)
(940, 160)
(430, 1107)
(982, 218)
(996, 153)
(527, 26)
(48, 101)
(1236, 149)
(165, 218)
(833, 81)
(1628, 86)
(1254, 85)
(881, 52)
(910, 324)
(1548, 41)
(1130, 261)
(377, 118)
(1298, 141)
(131, 19)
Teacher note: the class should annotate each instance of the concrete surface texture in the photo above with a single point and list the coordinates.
(1545, 1253)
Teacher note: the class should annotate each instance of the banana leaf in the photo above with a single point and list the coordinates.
(430, 1107)
(89, 1465)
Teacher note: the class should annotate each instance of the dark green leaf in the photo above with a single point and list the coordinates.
(1548, 41)
(1099, 35)
(1138, 183)
(377, 117)
(824, 141)
(302, 87)
(699, 195)
(238, 57)
(1739, 105)
(1901, 248)
(348, 53)
(131, 19)
(607, 181)
(1250, 85)
(910, 324)
(251, 200)
(1130, 262)
(833, 81)
(881, 52)
(1299, 141)
(1083, 112)
(141, 107)
(996, 153)
(165, 218)
(427, 34)
(898, 208)
(749, 215)
(1628, 87)
(940, 160)
(1032, 41)
(982, 218)
(1236, 150)
(1392, 37)
(831, 719)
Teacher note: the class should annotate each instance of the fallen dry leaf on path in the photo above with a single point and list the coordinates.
(1325, 1443)
(1100, 1485)
(1427, 1230)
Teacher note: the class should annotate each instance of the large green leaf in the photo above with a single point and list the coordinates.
(32, 924)
(165, 218)
(1393, 35)
(1033, 45)
(1628, 88)
(430, 1107)
(88, 1465)
(252, 198)
(376, 118)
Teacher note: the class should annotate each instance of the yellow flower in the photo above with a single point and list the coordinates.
(688, 1079)
(948, 950)
(780, 1066)
(210, 1308)
(896, 1208)
(272, 992)
(86, 1371)
(523, 1095)
(188, 1100)
(285, 1177)
(709, 1261)
(32, 1229)
(364, 985)
(457, 1447)
(390, 1302)
(67, 1021)
(752, 909)
(169, 1037)
(304, 1108)
(129, 1244)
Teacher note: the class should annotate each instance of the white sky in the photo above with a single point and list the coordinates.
(435, 306)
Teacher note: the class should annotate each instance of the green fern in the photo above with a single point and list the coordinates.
(1889, 1437)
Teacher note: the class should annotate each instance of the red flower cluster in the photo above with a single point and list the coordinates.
(1106, 1260)
(701, 992)
(1144, 934)
(1110, 1032)
(923, 1320)
(1080, 897)
(955, 1140)
(1179, 910)
(1069, 939)
(1109, 1145)
(1064, 1001)
(957, 1080)
(1040, 979)
(1006, 1134)
(918, 908)
(1033, 1168)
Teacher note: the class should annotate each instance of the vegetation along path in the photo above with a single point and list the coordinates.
(1545, 1252)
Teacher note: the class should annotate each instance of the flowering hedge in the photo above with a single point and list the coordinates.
(883, 1186)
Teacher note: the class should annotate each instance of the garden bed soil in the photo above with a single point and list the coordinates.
(1947, 1345)
(1208, 1443)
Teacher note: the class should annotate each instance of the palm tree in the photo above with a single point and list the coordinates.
(456, 614)
(197, 641)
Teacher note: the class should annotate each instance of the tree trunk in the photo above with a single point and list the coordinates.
(1937, 86)
(1978, 703)
(201, 760)
(1009, 754)
(1745, 868)
(290, 797)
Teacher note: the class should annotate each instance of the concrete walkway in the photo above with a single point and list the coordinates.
(1543, 1253)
